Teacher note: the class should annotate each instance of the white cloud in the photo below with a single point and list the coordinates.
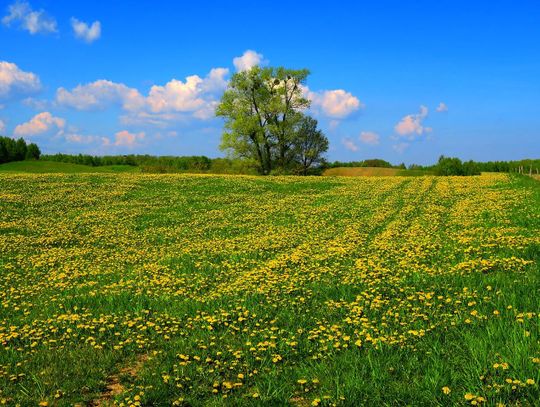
(15, 81)
(2, 126)
(127, 139)
(176, 100)
(196, 95)
(144, 118)
(442, 107)
(336, 104)
(85, 32)
(40, 123)
(248, 60)
(400, 147)
(100, 94)
(215, 81)
(369, 137)
(37, 104)
(77, 138)
(349, 144)
(33, 21)
(333, 124)
(412, 125)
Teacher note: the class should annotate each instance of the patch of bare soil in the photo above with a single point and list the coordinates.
(114, 386)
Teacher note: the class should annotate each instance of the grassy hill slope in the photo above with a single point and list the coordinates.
(42, 167)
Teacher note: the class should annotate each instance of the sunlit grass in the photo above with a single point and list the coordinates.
(43, 167)
(212, 290)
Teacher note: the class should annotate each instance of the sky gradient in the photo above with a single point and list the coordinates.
(402, 82)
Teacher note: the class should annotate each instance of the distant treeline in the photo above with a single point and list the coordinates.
(17, 150)
(162, 164)
(450, 166)
(200, 163)
(203, 164)
(374, 162)
(454, 166)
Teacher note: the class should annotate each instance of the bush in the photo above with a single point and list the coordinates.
(449, 166)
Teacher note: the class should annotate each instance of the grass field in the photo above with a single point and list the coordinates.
(199, 290)
(42, 167)
(372, 171)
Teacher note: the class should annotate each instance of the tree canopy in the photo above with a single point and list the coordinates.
(265, 120)
(17, 150)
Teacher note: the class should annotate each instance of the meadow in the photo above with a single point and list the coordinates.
(48, 167)
(373, 172)
(206, 290)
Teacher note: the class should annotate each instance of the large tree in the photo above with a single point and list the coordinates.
(263, 110)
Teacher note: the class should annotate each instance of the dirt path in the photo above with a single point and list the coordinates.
(114, 386)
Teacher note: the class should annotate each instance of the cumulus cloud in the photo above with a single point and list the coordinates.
(34, 22)
(442, 107)
(127, 139)
(369, 137)
(40, 123)
(195, 97)
(84, 31)
(248, 60)
(100, 94)
(15, 81)
(349, 144)
(336, 104)
(2, 126)
(412, 126)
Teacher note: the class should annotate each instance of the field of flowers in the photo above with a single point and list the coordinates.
(133, 289)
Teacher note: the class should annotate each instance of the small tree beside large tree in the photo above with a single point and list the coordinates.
(264, 117)
(310, 144)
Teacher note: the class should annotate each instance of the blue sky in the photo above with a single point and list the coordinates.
(402, 81)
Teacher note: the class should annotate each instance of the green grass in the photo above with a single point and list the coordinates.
(235, 290)
(373, 172)
(42, 167)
